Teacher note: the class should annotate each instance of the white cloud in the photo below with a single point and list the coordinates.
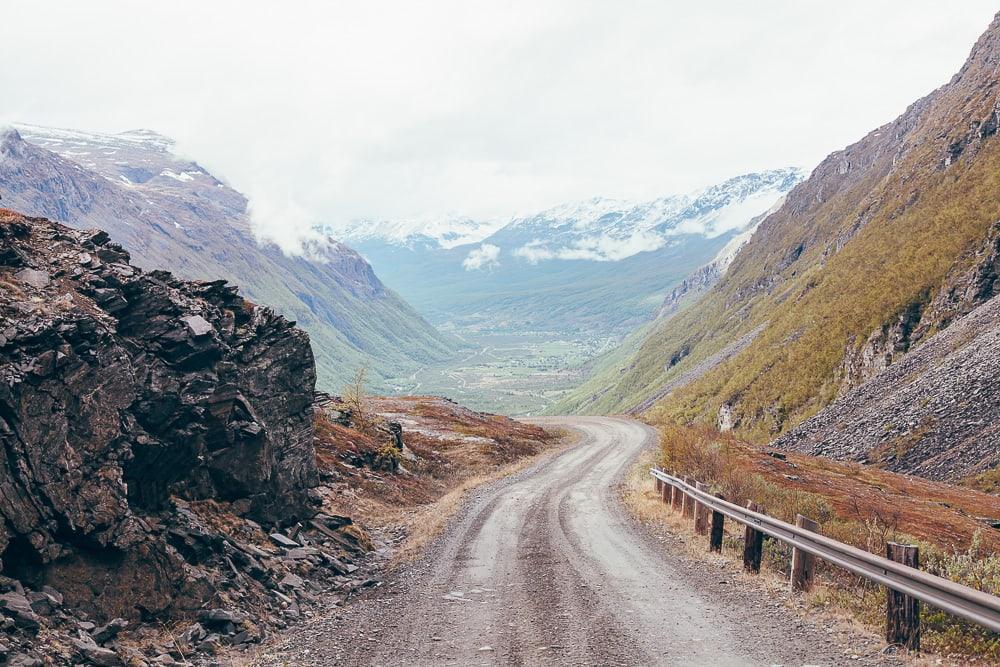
(486, 256)
(389, 110)
(534, 252)
(599, 248)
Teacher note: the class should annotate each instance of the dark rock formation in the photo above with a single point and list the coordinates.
(122, 391)
(154, 433)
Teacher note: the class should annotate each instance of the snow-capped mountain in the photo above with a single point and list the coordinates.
(610, 230)
(130, 159)
(600, 265)
(447, 232)
(598, 229)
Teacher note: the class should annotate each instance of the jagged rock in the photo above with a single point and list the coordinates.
(292, 581)
(32, 277)
(283, 540)
(98, 655)
(334, 520)
(221, 620)
(242, 637)
(19, 609)
(107, 632)
(301, 553)
(41, 603)
(22, 660)
(190, 638)
(212, 645)
(139, 388)
(54, 596)
(197, 325)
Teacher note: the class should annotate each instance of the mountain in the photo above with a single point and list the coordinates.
(445, 233)
(167, 211)
(886, 246)
(596, 267)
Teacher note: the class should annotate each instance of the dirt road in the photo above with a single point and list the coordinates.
(544, 568)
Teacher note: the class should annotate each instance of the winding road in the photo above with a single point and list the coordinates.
(544, 567)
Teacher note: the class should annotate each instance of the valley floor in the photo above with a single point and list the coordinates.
(544, 567)
(511, 373)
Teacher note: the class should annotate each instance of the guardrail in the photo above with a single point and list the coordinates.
(907, 585)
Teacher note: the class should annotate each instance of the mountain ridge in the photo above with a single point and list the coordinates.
(599, 214)
(171, 212)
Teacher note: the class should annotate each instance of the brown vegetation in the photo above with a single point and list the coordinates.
(448, 448)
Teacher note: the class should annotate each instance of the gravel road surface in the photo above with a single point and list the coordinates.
(544, 568)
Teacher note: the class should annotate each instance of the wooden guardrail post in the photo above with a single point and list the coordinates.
(701, 512)
(803, 563)
(753, 544)
(902, 613)
(718, 529)
(658, 483)
(687, 502)
(676, 498)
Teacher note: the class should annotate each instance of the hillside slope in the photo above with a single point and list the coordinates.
(886, 243)
(932, 414)
(170, 212)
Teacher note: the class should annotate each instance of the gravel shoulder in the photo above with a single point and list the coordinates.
(546, 567)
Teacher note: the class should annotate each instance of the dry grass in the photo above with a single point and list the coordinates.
(987, 482)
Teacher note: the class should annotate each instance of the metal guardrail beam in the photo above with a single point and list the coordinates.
(968, 603)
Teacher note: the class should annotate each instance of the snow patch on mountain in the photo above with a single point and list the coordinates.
(610, 230)
(732, 215)
(445, 232)
(599, 229)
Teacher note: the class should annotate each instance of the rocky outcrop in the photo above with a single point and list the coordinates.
(123, 392)
(920, 395)
(932, 413)
(974, 280)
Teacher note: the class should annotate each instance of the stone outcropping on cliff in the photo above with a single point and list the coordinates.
(932, 413)
(122, 388)
(124, 392)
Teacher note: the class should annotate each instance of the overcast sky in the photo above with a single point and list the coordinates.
(327, 111)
